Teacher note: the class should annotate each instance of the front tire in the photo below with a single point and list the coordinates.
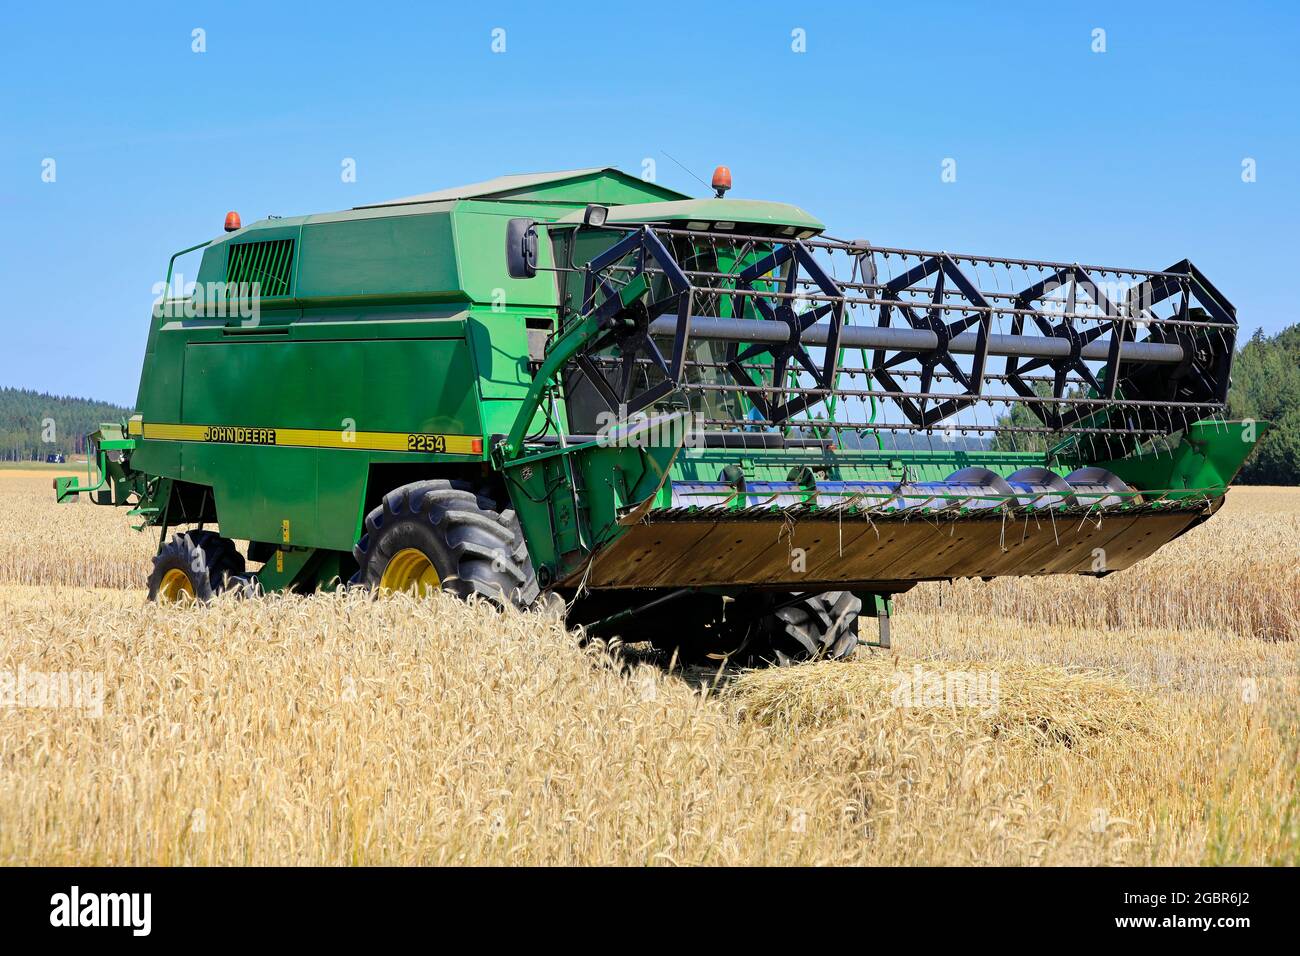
(439, 534)
(194, 566)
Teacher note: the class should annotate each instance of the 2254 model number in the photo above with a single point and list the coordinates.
(427, 443)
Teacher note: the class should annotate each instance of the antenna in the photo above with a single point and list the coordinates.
(697, 178)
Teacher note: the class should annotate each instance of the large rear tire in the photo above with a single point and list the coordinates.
(810, 627)
(760, 629)
(794, 628)
(195, 566)
(440, 534)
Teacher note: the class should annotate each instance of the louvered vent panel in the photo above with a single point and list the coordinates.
(268, 266)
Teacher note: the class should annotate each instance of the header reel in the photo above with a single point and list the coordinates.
(1085, 349)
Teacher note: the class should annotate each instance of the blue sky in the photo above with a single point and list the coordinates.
(1131, 157)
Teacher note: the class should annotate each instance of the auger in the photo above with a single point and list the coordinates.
(700, 422)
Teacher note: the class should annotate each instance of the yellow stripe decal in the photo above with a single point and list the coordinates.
(317, 438)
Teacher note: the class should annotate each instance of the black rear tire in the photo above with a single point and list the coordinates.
(198, 564)
(761, 628)
(810, 627)
(473, 548)
(798, 627)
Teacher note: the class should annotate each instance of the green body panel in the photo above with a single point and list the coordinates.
(381, 374)
(303, 569)
(1208, 456)
(397, 258)
(568, 500)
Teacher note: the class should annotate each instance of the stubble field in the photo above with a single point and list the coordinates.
(1149, 717)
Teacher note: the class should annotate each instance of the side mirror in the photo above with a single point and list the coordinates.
(521, 248)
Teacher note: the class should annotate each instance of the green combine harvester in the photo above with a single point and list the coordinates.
(701, 422)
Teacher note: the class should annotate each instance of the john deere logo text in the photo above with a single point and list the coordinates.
(240, 436)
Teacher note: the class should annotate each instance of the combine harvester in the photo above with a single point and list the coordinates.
(701, 422)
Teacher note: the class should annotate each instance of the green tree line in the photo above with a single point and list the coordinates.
(34, 425)
(1265, 387)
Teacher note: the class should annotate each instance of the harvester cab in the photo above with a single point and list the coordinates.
(667, 409)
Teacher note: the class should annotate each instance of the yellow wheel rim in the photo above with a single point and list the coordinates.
(410, 568)
(175, 586)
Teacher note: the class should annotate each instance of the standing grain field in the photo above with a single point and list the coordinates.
(1148, 717)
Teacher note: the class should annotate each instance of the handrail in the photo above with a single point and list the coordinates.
(171, 264)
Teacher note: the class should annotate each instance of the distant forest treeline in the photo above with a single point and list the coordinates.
(1266, 387)
(34, 425)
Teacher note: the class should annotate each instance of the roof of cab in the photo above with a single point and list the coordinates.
(629, 199)
(596, 184)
